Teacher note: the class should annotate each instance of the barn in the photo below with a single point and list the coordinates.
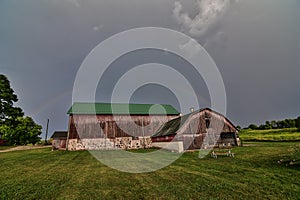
(59, 140)
(98, 126)
(199, 129)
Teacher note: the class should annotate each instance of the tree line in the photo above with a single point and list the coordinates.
(15, 128)
(286, 123)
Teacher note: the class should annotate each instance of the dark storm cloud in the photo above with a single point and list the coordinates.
(254, 43)
(260, 61)
(42, 44)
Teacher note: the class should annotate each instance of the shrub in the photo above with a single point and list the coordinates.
(293, 158)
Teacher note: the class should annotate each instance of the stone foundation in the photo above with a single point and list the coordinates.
(109, 144)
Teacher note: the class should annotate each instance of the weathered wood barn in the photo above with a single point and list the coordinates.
(59, 140)
(197, 130)
(113, 126)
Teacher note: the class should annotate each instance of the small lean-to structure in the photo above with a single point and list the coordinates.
(2, 142)
(197, 130)
(100, 126)
(59, 140)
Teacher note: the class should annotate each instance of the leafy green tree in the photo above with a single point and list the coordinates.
(262, 127)
(26, 132)
(8, 113)
(298, 123)
(273, 124)
(292, 123)
(268, 125)
(286, 123)
(253, 126)
(280, 124)
(13, 126)
(4, 129)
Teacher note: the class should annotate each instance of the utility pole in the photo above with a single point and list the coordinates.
(47, 130)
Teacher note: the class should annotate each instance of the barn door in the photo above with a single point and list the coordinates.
(192, 142)
(188, 142)
(198, 141)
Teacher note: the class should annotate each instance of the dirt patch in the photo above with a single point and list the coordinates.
(18, 148)
(250, 145)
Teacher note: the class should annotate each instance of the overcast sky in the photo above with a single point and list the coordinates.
(255, 44)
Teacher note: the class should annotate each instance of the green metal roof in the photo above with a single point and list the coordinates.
(171, 127)
(122, 109)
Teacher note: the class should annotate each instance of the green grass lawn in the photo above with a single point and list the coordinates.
(5, 147)
(289, 134)
(253, 174)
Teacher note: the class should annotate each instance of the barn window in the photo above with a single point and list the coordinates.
(207, 119)
(102, 124)
(207, 123)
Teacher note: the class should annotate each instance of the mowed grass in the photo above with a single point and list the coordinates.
(253, 174)
(288, 134)
(5, 147)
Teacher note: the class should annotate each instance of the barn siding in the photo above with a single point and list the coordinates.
(59, 143)
(100, 126)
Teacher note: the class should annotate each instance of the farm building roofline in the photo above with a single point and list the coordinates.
(220, 115)
(122, 109)
(171, 127)
(59, 134)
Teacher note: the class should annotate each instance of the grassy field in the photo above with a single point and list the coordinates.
(253, 174)
(5, 147)
(290, 134)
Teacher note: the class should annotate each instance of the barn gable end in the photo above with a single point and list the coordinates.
(198, 129)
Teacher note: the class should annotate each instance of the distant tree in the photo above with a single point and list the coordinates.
(238, 127)
(262, 127)
(286, 123)
(253, 126)
(292, 123)
(280, 124)
(273, 124)
(268, 125)
(8, 113)
(298, 123)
